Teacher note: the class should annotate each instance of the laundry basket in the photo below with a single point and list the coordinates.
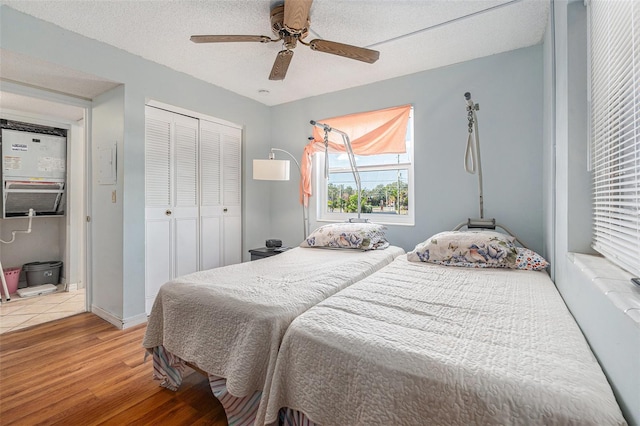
(11, 276)
(39, 273)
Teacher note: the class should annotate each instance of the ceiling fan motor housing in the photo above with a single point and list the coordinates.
(279, 29)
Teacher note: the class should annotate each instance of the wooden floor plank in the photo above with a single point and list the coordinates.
(82, 370)
(144, 410)
(63, 374)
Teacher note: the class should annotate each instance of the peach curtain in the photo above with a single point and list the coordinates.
(373, 132)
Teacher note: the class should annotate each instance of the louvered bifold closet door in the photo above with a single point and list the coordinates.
(614, 29)
(185, 209)
(220, 186)
(210, 196)
(171, 202)
(158, 227)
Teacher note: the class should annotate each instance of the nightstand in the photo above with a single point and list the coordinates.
(262, 252)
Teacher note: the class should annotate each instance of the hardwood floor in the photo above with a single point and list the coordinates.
(83, 371)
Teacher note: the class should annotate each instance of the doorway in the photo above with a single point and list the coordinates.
(59, 238)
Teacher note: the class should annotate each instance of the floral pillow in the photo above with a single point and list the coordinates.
(362, 236)
(477, 249)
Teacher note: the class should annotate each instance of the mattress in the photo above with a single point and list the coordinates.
(417, 344)
(229, 321)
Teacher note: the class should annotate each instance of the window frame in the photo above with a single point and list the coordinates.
(321, 186)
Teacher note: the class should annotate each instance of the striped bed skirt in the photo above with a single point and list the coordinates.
(240, 411)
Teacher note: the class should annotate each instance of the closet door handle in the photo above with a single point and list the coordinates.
(168, 212)
(224, 210)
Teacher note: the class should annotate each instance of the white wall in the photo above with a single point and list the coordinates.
(41, 245)
(107, 218)
(613, 336)
(509, 89)
(121, 291)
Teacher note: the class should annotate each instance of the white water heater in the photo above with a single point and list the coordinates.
(33, 173)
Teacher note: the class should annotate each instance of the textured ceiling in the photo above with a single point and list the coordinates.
(411, 35)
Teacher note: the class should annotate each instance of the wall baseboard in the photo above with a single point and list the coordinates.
(119, 322)
(75, 286)
(133, 321)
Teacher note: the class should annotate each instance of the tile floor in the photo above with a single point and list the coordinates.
(25, 312)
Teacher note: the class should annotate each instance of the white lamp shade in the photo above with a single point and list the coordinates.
(271, 169)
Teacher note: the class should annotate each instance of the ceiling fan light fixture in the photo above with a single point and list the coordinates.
(290, 23)
(290, 42)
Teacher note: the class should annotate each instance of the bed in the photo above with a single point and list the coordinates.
(228, 322)
(421, 343)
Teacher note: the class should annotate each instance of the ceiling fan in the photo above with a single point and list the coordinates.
(290, 22)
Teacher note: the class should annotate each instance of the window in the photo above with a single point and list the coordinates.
(386, 181)
(614, 31)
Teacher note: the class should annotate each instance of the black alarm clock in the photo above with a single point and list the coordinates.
(271, 243)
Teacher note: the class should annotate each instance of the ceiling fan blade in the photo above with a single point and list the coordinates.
(228, 38)
(281, 65)
(346, 50)
(296, 13)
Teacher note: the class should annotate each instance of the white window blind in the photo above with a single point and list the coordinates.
(614, 31)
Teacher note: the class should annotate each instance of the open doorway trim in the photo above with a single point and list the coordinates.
(74, 250)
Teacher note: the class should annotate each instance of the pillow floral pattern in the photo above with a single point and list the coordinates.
(362, 236)
(530, 260)
(478, 249)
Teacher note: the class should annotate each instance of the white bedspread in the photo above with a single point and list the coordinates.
(422, 344)
(230, 321)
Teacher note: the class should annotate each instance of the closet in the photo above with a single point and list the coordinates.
(192, 196)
